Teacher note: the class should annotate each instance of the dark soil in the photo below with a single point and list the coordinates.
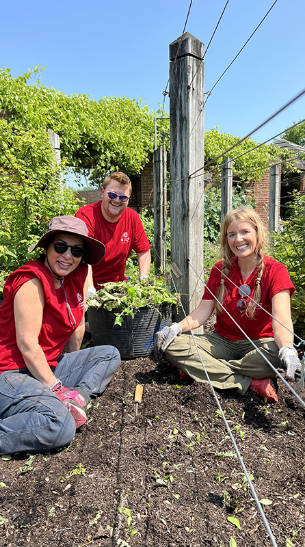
(169, 474)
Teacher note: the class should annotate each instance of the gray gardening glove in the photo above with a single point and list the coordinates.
(164, 338)
(290, 362)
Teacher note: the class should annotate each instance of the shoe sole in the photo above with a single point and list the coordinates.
(78, 413)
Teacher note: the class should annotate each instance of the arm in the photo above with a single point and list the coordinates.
(28, 312)
(75, 341)
(199, 316)
(281, 311)
(144, 261)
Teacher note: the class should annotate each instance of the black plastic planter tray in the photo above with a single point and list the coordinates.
(135, 337)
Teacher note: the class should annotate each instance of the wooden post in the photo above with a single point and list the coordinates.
(54, 140)
(186, 90)
(274, 198)
(160, 204)
(226, 186)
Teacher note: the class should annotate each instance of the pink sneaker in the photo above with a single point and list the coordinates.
(77, 412)
(265, 389)
(184, 376)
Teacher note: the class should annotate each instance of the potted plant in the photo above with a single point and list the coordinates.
(127, 314)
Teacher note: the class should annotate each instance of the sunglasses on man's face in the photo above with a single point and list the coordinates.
(61, 248)
(244, 292)
(114, 195)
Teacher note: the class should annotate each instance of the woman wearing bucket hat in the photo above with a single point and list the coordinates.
(41, 314)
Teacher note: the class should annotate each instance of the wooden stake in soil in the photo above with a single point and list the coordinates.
(138, 397)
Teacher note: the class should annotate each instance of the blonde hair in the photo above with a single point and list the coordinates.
(242, 214)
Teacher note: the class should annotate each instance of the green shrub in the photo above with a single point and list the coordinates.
(288, 247)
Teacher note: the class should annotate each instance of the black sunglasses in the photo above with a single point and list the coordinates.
(244, 292)
(76, 250)
(114, 195)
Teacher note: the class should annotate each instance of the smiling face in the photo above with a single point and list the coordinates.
(113, 208)
(62, 264)
(242, 239)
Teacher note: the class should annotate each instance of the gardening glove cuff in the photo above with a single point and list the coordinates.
(164, 338)
(290, 362)
(141, 277)
(91, 292)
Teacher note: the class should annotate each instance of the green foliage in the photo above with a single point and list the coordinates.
(212, 209)
(288, 247)
(124, 298)
(296, 134)
(251, 166)
(95, 136)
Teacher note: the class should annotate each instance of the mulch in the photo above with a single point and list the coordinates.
(165, 478)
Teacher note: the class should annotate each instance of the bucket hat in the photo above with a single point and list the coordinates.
(95, 250)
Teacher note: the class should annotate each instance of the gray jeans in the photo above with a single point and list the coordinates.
(230, 364)
(32, 418)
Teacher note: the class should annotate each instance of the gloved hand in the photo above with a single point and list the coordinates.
(141, 277)
(90, 292)
(65, 393)
(290, 362)
(164, 338)
(73, 400)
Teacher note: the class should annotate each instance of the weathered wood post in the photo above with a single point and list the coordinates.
(226, 186)
(54, 140)
(186, 90)
(160, 204)
(274, 198)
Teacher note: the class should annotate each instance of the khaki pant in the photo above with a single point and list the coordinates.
(230, 364)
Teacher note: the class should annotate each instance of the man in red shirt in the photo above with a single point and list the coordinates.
(119, 228)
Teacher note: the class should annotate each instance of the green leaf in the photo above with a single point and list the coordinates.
(233, 542)
(234, 521)
(265, 502)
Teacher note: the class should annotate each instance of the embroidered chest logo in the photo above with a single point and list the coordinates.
(80, 300)
(125, 238)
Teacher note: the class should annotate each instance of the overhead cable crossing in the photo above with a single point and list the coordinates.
(165, 92)
(210, 92)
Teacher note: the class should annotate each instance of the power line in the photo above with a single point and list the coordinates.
(224, 9)
(172, 66)
(298, 96)
(240, 51)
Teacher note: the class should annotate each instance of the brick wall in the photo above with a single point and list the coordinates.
(147, 185)
(260, 193)
(89, 196)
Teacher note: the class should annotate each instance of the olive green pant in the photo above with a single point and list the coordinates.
(230, 364)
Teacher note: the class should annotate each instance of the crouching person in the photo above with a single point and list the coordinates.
(43, 392)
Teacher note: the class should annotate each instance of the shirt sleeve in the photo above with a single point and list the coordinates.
(279, 280)
(83, 214)
(141, 243)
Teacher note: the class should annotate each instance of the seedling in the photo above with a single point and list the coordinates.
(220, 477)
(219, 414)
(234, 521)
(27, 466)
(96, 518)
(79, 470)
(226, 497)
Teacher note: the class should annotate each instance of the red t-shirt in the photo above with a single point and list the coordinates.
(56, 328)
(274, 280)
(119, 238)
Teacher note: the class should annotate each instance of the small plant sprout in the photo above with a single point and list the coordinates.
(79, 470)
(231, 410)
(233, 542)
(234, 521)
(220, 477)
(195, 417)
(219, 414)
(96, 518)
(130, 525)
(226, 497)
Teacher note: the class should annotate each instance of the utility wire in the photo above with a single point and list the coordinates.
(253, 491)
(172, 66)
(298, 96)
(202, 58)
(210, 92)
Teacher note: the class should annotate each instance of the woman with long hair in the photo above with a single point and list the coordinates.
(242, 287)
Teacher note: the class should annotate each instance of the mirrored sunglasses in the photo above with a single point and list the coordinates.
(244, 292)
(114, 195)
(76, 250)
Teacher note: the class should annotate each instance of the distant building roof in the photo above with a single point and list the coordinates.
(283, 143)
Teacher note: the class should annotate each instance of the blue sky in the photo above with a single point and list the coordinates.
(117, 48)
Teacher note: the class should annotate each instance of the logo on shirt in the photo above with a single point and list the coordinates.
(125, 238)
(80, 300)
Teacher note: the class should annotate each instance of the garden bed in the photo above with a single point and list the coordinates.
(169, 473)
